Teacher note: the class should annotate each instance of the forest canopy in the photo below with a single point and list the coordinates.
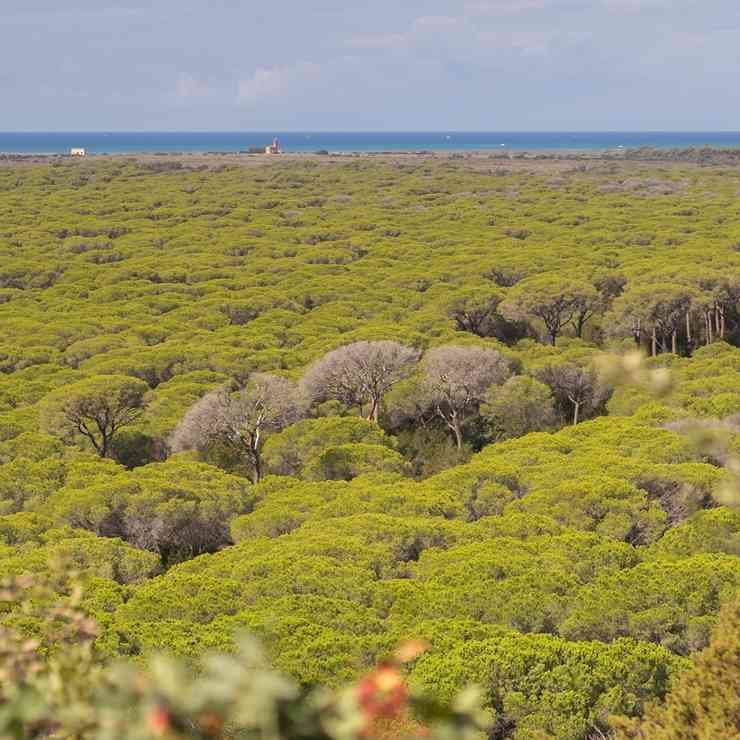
(346, 403)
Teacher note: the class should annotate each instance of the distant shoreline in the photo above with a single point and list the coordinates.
(491, 153)
(361, 143)
(705, 154)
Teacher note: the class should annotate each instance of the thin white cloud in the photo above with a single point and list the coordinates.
(189, 88)
(270, 82)
(435, 21)
(503, 7)
(635, 6)
(528, 43)
(88, 18)
(377, 41)
(534, 43)
(420, 27)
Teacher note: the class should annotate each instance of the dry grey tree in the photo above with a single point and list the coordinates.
(455, 382)
(360, 374)
(577, 389)
(268, 403)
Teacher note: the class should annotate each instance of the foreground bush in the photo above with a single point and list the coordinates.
(705, 703)
(57, 685)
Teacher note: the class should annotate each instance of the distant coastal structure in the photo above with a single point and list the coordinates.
(274, 148)
(77, 152)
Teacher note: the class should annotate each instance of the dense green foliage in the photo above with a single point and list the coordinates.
(705, 701)
(555, 539)
(57, 684)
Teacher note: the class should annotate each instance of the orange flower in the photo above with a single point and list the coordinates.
(211, 723)
(158, 720)
(382, 693)
(411, 650)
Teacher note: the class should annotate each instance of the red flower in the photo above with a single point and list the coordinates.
(382, 693)
(158, 720)
(211, 723)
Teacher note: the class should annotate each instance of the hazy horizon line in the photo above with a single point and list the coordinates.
(374, 131)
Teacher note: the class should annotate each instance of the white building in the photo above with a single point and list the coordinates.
(78, 152)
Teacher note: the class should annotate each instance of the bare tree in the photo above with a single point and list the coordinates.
(360, 374)
(720, 299)
(477, 313)
(656, 312)
(241, 420)
(554, 300)
(96, 408)
(455, 382)
(577, 390)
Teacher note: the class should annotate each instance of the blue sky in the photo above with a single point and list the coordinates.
(369, 65)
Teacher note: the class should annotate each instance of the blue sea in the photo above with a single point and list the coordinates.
(306, 141)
